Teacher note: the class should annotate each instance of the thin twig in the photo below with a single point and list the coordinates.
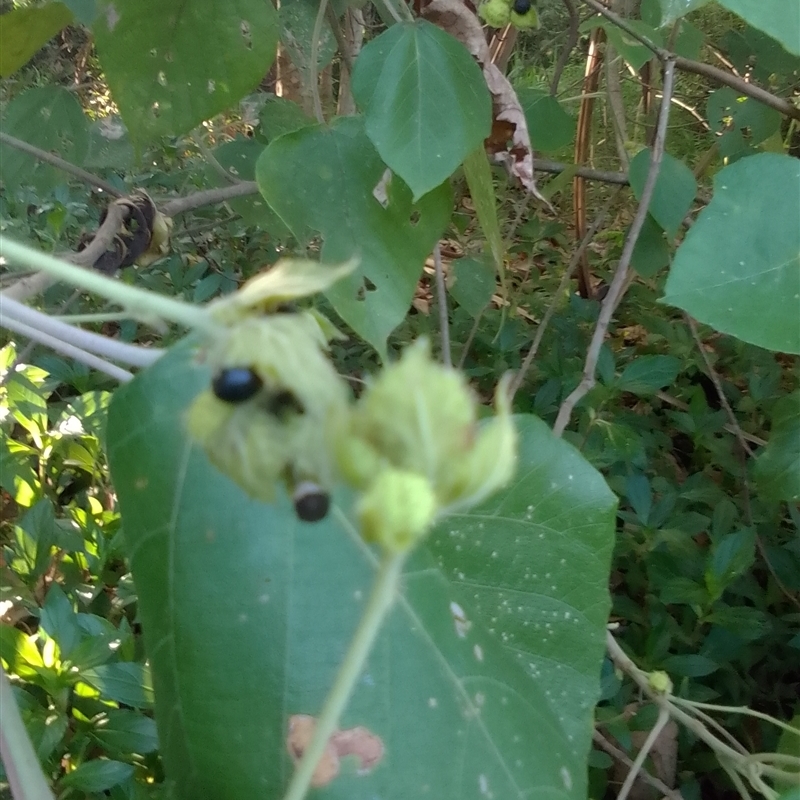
(673, 401)
(67, 349)
(636, 767)
(623, 758)
(473, 332)
(698, 68)
(569, 46)
(441, 296)
(59, 163)
(734, 423)
(617, 288)
(13, 311)
(207, 197)
(313, 67)
(565, 279)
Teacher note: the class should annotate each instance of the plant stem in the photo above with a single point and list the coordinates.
(139, 303)
(314, 65)
(441, 296)
(380, 601)
(22, 767)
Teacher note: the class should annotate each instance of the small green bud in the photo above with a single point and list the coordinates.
(660, 682)
(397, 510)
(495, 12)
(528, 20)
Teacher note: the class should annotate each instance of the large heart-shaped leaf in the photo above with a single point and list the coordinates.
(738, 269)
(331, 180)
(533, 563)
(779, 18)
(25, 30)
(50, 118)
(173, 63)
(247, 613)
(425, 102)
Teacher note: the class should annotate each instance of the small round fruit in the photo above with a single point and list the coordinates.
(236, 384)
(522, 7)
(311, 503)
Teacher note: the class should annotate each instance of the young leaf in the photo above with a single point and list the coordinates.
(647, 374)
(25, 30)
(247, 611)
(330, 179)
(674, 192)
(738, 269)
(98, 775)
(173, 63)
(60, 621)
(425, 102)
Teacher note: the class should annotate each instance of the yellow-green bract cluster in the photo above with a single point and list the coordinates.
(411, 444)
(499, 13)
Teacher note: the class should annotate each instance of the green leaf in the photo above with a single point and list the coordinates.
(532, 565)
(474, 284)
(672, 10)
(239, 157)
(171, 64)
(647, 374)
(738, 269)
(279, 116)
(329, 179)
(789, 745)
(730, 556)
(98, 775)
(690, 666)
(85, 11)
(25, 30)
(296, 19)
(425, 101)
(125, 682)
(126, 731)
(675, 189)
(549, 125)
(778, 18)
(651, 252)
(478, 173)
(20, 654)
(778, 465)
(50, 118)
(60, 621)
(246, 614)
(741, 121)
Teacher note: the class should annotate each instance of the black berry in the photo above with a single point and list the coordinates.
(522, 7)
(311, 503)
(236, 384)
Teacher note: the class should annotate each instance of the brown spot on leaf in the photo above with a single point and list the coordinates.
(359, 742)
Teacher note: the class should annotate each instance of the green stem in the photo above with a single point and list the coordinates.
(144, 305)
(380, 601)
(22, 767)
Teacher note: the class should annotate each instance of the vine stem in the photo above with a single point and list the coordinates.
(663, 719)
(314, 66)
(144, 305)
(384, 592)
(19, 759)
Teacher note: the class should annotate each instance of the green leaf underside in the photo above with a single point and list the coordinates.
(738, 269)
(247, 612)
(779, 18)
(674, 9)
(173, 63)
(425, 102)
(321, 179)
(50, 118)
(25, 30)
